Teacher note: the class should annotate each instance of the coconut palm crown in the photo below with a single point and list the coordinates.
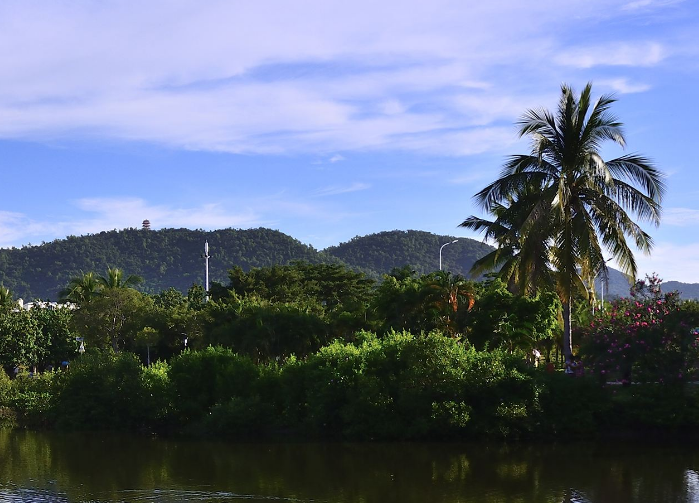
(582, 203)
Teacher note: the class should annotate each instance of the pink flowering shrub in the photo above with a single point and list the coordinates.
(648, 337)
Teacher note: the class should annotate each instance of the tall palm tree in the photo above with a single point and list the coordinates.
(81, 289)
(582, 203)
(115, 279)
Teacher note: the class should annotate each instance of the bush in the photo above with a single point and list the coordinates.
(571, 407)
(157, 393)
(405, 387)
(202, 379)
(649, 337)
(104, 390)
(33, 399)
(8, 417)
(239, 418)
(5, 388)
(655, 407)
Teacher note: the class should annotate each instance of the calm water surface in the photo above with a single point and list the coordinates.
(41, 467)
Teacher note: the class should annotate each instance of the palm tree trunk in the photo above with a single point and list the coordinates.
(567, 329)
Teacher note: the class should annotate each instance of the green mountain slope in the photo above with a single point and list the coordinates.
(164, 258)
(173, 257)
(420, 250)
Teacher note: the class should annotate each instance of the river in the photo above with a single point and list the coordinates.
(48, 467)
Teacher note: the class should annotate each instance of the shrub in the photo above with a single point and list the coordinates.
(571, 407)
(103, 390)
(239, 417)
(157, 393)
(33, 399)
(648, 337)
(655, 407)
(405, 386)
(5, 388)
(202, 379)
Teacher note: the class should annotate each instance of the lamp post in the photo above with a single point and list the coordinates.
(206, 257)
(604, 280)
(440, 251)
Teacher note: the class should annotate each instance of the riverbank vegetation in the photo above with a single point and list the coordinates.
(318, 351)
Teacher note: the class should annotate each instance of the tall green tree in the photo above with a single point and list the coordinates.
(583, 203)
(113, 319)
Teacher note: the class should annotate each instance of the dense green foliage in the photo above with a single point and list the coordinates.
(397, 387)
(38, 337)
(316, 350)
(502, 319)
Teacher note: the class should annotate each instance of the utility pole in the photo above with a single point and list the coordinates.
(206, 271)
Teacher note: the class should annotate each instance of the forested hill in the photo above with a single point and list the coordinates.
(164, 258)
(418, 249)
(173, 257)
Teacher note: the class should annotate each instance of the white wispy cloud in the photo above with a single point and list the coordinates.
(119, 213)
(649, 4)
(680, 217)
(623, 86)
(271, 78)
(341, 189)
(614, 54)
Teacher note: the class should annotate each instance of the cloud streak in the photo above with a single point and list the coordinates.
(338, 189)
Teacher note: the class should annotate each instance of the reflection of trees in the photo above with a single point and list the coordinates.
(104, 467)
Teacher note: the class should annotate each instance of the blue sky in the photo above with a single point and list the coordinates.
(323, 119)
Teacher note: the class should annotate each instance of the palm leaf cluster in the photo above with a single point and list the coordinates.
(86, 287)
(561, 208)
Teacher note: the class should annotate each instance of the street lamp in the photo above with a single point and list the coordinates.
(440, 251)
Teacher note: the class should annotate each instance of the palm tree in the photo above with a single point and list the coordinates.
(582, 203)
(81, 289)
(115, 279)
(522, 256)
(443, 295)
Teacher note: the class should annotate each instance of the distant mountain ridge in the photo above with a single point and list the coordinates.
(173, 258)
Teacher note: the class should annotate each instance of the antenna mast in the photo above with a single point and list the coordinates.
(206, 269)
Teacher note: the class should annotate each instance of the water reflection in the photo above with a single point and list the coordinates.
(100, 467)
